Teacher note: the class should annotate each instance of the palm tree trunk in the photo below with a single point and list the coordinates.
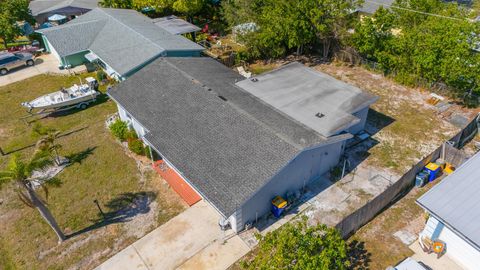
(57, 158)
(45, 213)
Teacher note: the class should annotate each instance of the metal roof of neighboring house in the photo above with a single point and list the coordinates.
(56, 6)
(370, 6)
(224, 141)
(315, 99)
(123, 39)
(175, 25)
(455, 201)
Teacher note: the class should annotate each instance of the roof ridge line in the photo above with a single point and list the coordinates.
(67, 25)
(242, 111)
(98, 33)
(149, 40)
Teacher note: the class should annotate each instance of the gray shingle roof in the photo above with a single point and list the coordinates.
(226, 149)
(124, 39)
(51, 6)
(370, 6)
(455, 201)
(302, 92)
(175, 25)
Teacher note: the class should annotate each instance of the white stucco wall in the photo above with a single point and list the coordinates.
(53, 51)
(362, 114)
(124, 116)
(458, 249)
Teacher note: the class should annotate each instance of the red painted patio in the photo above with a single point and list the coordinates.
(188, 194)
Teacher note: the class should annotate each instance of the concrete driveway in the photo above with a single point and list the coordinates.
(191, 240)
(46, 63)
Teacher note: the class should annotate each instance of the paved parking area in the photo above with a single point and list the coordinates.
(46, 63)
(191, 240)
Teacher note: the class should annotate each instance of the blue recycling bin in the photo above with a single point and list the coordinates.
(434, 171)
(278, 206)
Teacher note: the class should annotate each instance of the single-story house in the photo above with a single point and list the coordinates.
(235, 147)
(121, 41)
(175, 25)
(454, 208)
(370, 6)
(42, 9)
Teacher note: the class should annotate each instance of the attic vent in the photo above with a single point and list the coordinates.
(254, 79)
(223, 98)
(319, 115)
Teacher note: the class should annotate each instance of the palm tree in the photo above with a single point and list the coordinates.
(48, 141)
(20, 173)
(49, 144)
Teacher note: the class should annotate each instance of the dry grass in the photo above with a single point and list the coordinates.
(101, 171)
(385, 249)
(406, 127)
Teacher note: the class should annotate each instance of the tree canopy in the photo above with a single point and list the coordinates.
(284, 25)
(419, 48)
(187, 8)
(299, 246)
(12, 12)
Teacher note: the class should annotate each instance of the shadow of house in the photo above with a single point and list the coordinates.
(120, 209)
(357, 153)
(377, 121)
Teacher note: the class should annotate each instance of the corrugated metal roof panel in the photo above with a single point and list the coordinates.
(456, 201)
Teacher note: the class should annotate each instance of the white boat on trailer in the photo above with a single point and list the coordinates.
(77, 96)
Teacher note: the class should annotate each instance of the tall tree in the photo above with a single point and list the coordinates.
(284, 25)
(127, 4)
(374, 37)
(12, 12)
(19, 172)
(435, 45)
(299, 246)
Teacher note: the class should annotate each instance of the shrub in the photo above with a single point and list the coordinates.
(101, 75)
(136, 146)
(147, 151)
(131, 134)
(119, 129)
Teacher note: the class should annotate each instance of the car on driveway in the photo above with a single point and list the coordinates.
(9, 61)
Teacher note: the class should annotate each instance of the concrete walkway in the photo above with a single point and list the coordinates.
(431, 260)
(191, 240)
(46, 63)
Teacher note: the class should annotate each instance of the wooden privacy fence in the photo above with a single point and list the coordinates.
(363, 215)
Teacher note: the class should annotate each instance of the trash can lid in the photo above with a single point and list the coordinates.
(279, 202)
(432, 166)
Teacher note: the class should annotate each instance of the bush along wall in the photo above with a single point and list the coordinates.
(123, 133)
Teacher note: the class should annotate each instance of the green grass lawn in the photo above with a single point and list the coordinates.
(102, 171)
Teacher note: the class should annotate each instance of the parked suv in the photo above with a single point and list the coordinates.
(9, 61)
